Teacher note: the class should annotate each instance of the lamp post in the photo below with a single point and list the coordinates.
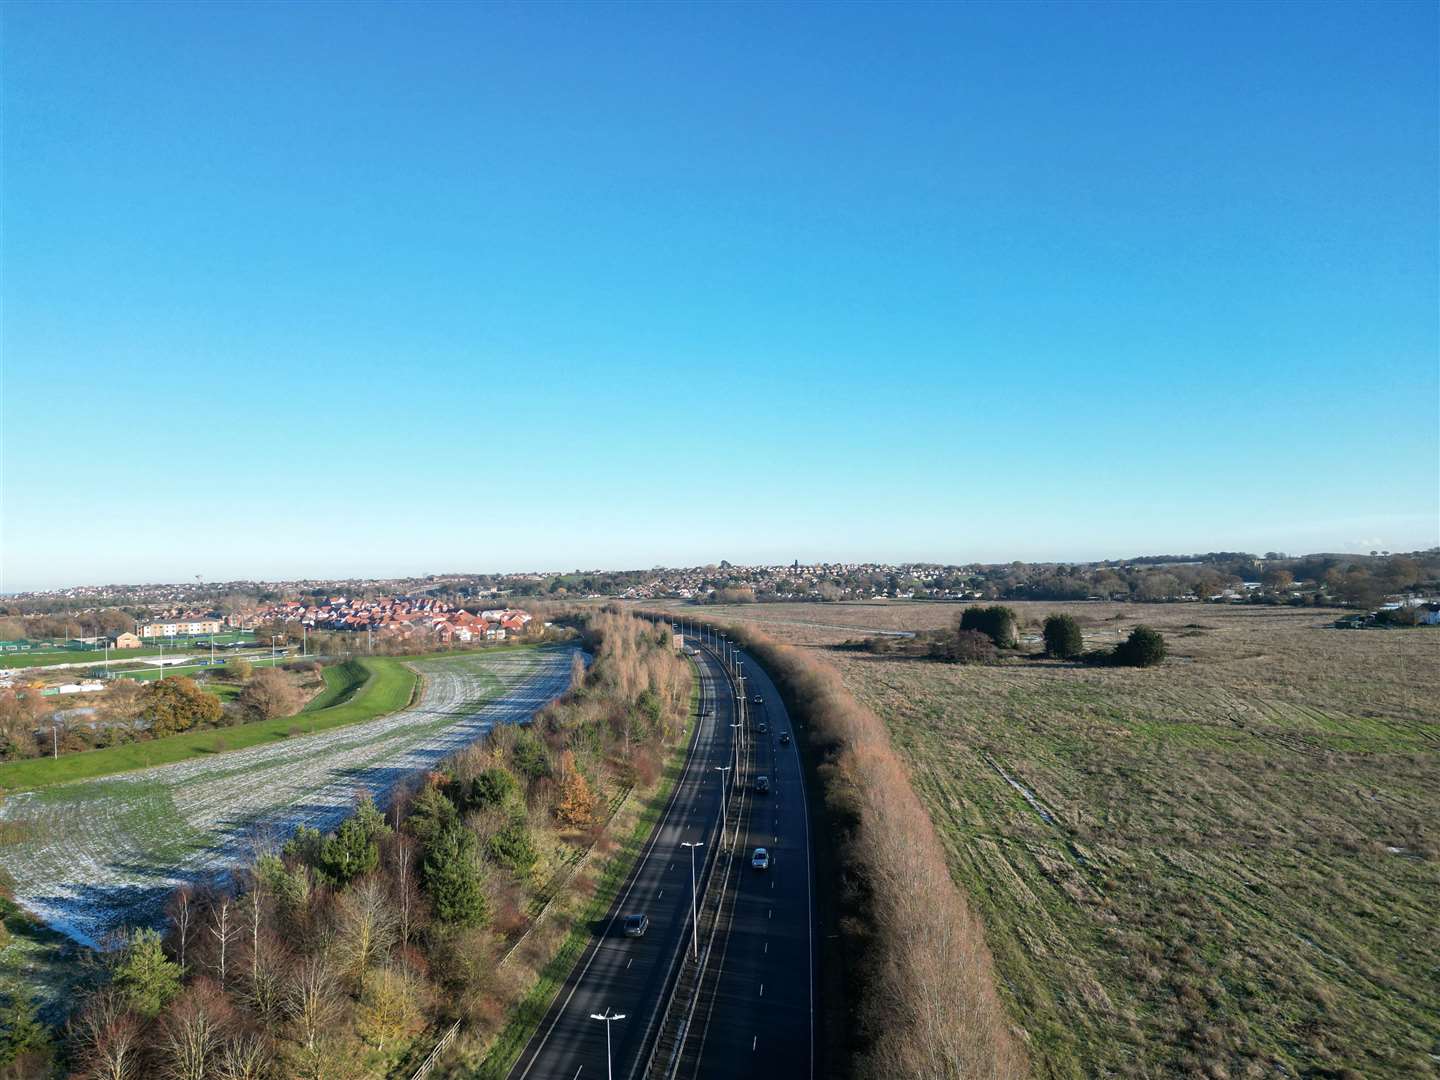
(609, 1018)
(694, 910)
(724, 826)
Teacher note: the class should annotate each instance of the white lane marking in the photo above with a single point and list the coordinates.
(767, 946)
(771, 914)
(661, 896)
(762, 989)
(578, 1072)
(629, 962)
(753, 1040)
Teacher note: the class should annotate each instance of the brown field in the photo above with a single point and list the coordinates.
(1225, 866)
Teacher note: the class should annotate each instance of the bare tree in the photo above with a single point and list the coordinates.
(182, 918)
(404, 879)
(367, 926)
(314, 1000)
(191, 1042)
(245, 1057)
(107, 1035)
(224, 928)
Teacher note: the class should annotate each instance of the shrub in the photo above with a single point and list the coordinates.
(1143, 648)
(494, 787)
(239, 669)
(1063, 639)
(178, 704)
(996, 622)
(270, 693)
(513, 848)
(970, 647)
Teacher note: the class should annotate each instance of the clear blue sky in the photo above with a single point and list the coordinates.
(310, 289)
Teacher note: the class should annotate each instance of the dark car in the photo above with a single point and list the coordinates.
(784, 738)
(636, 925)
(762, 785)
(758, 700)
(764, 727)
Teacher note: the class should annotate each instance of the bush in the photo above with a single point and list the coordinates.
(1143, 648)
(239, 669)
(997, 623)
(1063, 639)
(970, 647)
(513, 848)
(493, 787)
(270, 693)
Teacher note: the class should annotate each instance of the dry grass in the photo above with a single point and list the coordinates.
(1228, 865)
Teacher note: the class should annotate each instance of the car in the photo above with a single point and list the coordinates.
(758, 700)
(707, 711)
(784, 738)
(764, 727)
(762, 785)
(636, 925)
(761, 859)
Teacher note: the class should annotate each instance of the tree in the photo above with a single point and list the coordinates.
(388, 1008)
(21, 1031)
(145, 978)
(1143, 648)
(1063, 639)
(577, 804)
(494, 787)
(1278, 580)
(239, 669)
(107, 1037)
(431, 813)
(177, 704)
(529, 757)
(271, 693)
(513, 848)
(192, 1039)
(962, 647)
(314, 1000)
(451, 876)
(368, 926)
(997, 623)
(350, 853)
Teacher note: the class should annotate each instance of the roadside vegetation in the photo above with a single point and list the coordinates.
(920, 974)
(345, 953)
(1223, 865)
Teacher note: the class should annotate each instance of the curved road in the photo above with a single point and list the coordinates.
(758, 1004)
(618, 974)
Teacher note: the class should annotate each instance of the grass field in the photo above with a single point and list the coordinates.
(389, 685)
(48, 657)
(1226, 866)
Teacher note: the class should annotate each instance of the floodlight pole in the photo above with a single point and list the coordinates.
(694, 915)
(608, 1017)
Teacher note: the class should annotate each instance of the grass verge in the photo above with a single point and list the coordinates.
(389, 686)
(526, 1017)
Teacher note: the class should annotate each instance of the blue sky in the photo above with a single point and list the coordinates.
(313, 290)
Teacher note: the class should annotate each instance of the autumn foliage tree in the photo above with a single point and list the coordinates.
(271, 693)
(577, 804)
(178, 704)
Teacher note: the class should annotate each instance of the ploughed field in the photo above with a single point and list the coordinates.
(1226, 866)
(92, 856)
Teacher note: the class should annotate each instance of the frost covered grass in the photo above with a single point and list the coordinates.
(91, 856)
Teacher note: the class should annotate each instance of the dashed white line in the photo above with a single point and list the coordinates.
(762, 989)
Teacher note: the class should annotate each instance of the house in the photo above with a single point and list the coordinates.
(180, 628)
(126, 640)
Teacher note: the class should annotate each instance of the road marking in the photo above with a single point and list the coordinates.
(661, 896)
(629, 962)
(578, 1072)
(762, 989)
(770, 914)
(753, 1040)
(767, 946)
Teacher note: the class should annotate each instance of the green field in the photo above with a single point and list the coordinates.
(49, 657)
(388, 686)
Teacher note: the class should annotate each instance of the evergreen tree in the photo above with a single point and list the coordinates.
(1063, 639)
(20, 1028)
(451, 877)
(431, 813)
(1144, 648)
(145, 976)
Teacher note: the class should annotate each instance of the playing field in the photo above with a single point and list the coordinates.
(1226, 866)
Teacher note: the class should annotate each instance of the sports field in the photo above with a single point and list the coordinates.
(1226, 866)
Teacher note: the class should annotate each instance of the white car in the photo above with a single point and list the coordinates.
(761, 859)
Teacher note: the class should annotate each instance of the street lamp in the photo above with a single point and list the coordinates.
(694, 916)
(724, 827)
(609, 1018)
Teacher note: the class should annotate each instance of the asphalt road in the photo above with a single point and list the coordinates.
(625, 975)
(759, 1012)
